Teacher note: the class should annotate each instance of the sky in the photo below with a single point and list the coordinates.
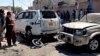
(21, 3)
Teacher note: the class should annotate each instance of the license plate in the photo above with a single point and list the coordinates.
(51, 24)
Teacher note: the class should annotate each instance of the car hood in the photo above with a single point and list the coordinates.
(79, 25)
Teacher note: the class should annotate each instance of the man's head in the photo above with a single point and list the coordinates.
(9, 14)
(1, 12)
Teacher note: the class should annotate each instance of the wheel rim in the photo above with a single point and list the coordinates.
(93, 44)
(34, 41)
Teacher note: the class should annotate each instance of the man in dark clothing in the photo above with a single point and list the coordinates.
(62, 17)
(10, 29)
(74, 15)
(67, 16)
(2, 24)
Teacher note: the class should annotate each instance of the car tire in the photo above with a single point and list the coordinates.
(94, 44)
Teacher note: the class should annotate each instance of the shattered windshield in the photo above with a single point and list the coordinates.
(91, 18)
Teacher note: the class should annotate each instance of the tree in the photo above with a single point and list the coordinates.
(18, 9)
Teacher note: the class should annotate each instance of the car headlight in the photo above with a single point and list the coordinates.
(84, 32)
(79, 32)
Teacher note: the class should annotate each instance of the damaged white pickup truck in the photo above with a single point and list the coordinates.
(84, 32)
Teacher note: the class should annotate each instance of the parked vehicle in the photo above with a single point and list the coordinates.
(85, 32)
(38, 23)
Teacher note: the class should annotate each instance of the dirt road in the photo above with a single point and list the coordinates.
(49, 50)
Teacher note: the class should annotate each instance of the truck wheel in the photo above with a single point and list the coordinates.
(37, 43)
(94, 44)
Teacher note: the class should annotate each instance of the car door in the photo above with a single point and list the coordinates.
(23, 19)
(18, 19)
(35, 23)
(29, 18)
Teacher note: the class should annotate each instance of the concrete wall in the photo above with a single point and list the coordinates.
(97, 6)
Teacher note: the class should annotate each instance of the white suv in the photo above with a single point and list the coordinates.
(86, 32)
(38, 22)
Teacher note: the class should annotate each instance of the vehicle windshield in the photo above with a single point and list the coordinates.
(48, 14)
(91, 18)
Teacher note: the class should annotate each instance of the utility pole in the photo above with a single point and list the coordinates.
(13, 6)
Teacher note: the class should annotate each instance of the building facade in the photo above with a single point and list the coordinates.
(6, 8)
(70, 4)
(51, 4)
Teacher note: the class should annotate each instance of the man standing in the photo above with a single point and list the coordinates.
(90, 6)
(2, 24)
(80, 15)
(10, 29)
(67, 16)
(74, 15)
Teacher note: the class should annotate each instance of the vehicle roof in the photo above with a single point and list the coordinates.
(30, 10)
(38, 10)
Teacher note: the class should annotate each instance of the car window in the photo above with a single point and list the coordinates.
(33, 14)
(20, 16)
(91, 18)
(48, 14)
(95, 19)
(29, 15)
(26, 15)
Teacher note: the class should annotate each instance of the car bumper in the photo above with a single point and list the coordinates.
(47, 32)
(72, 39)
